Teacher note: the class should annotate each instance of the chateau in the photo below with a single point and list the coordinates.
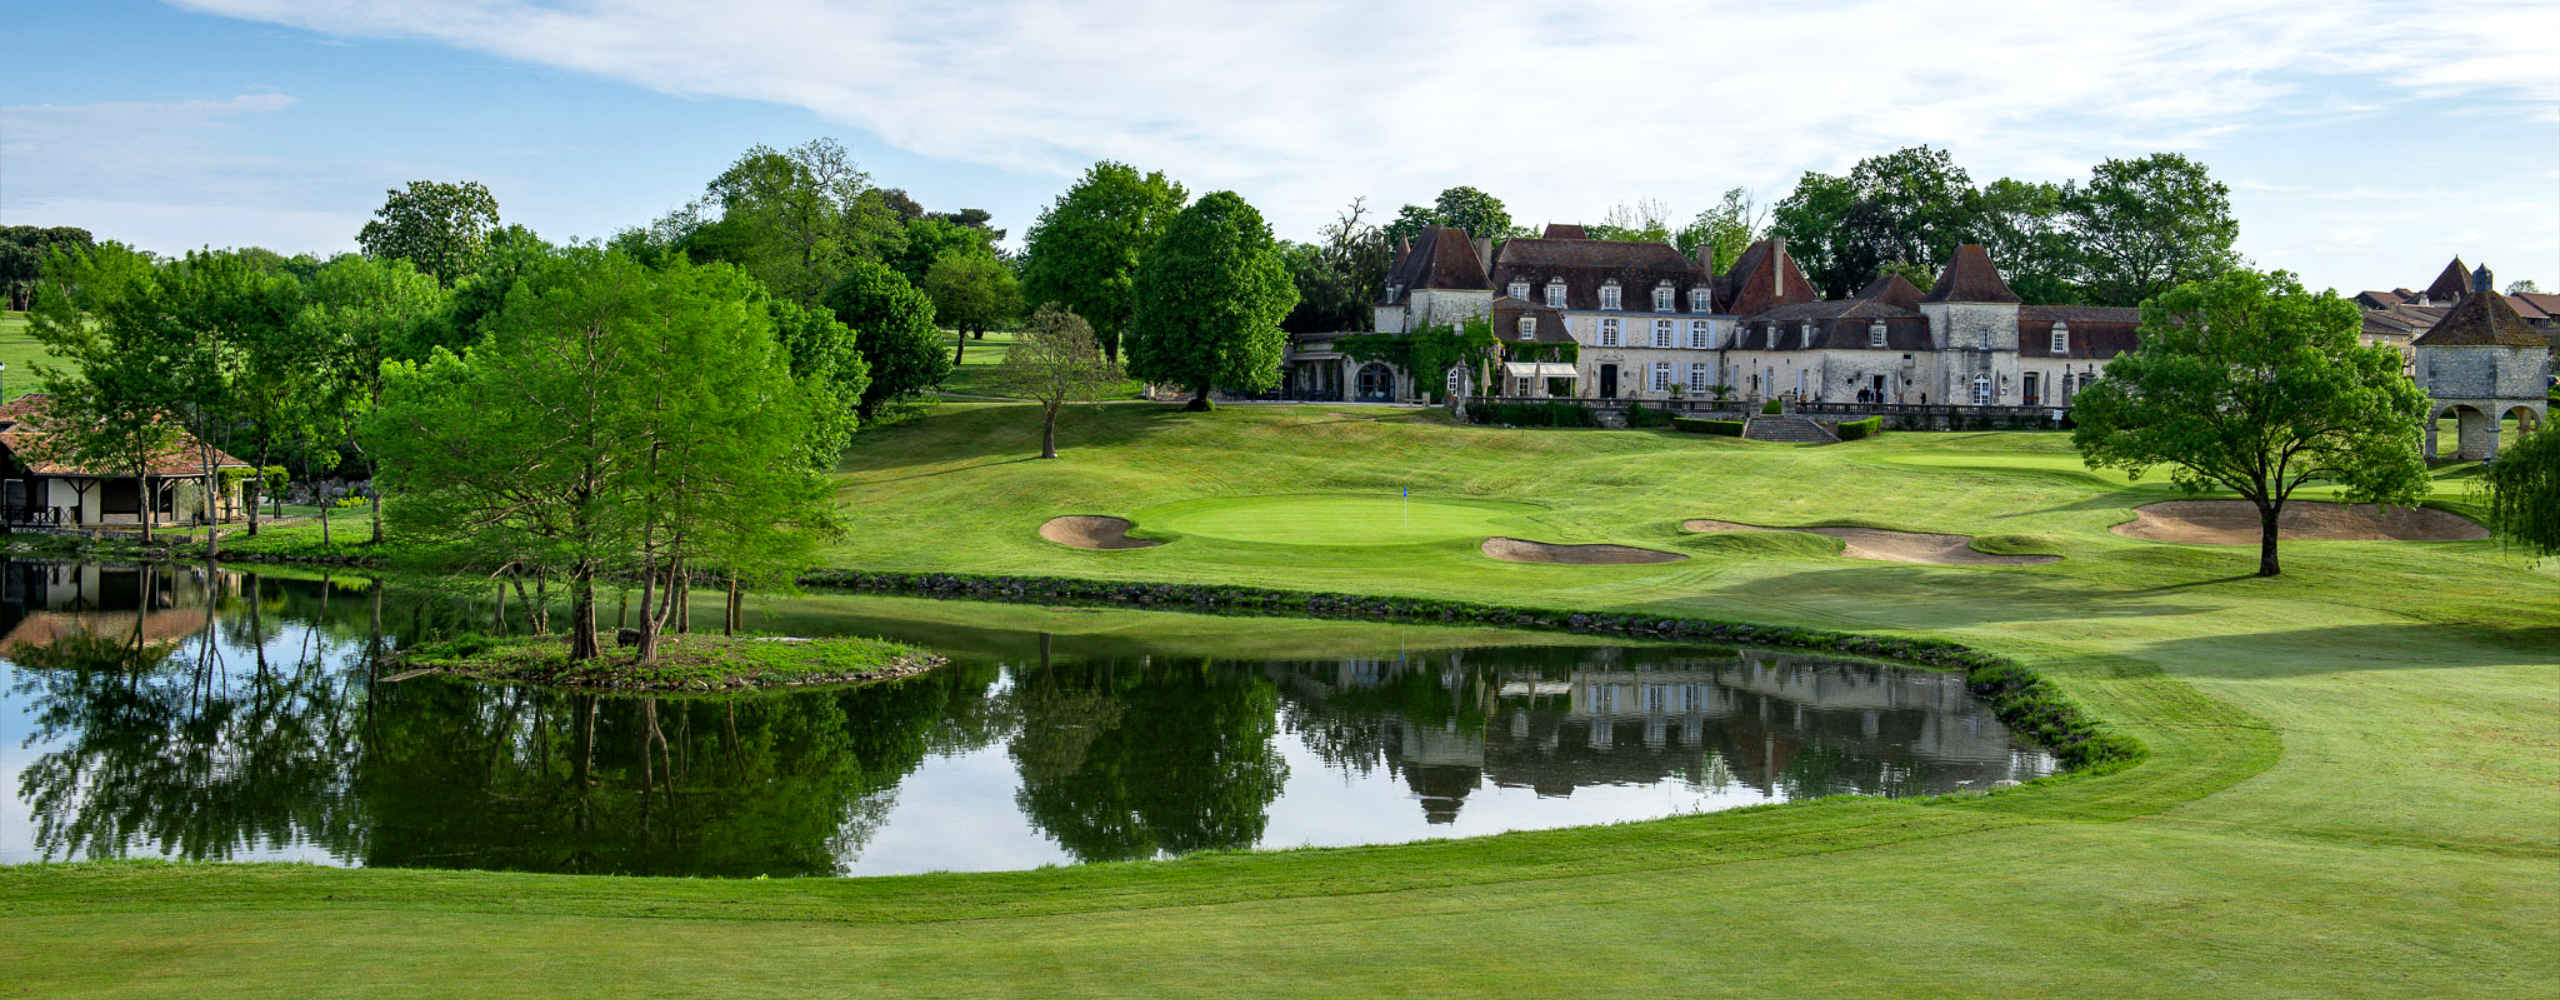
(1646, 323)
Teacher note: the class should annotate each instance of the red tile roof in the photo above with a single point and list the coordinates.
(1894, 290)
(1970, 277)
(23, 436)
(1765, 276)
(2454, 283)
(1566, 231)
(2483, 320)
(1443, 258)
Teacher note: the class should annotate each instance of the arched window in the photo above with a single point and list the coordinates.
(1377, 382)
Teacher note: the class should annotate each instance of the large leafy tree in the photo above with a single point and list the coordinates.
(1725, 229)
(1211, 295)
(971, 292)
(1053, 363)
(932, 238)
(439, 227)
(2145, 225)
(825, 358)
(357, 314)
(2249, 383)
(614, 420)
(790, 218)
(1814, 220)
(1083, 251)
(99, 313)
(2524, 493)
(23, 252)
(893, 330)
(1647, 220)
(2022, 225)
(1339, 278)
(1468, 208)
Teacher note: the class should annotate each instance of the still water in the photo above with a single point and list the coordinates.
(216, 715)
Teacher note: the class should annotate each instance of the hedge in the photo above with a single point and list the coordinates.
(1558, 414)
(1851, 430)
(1771, 406)
(2022, 699)
(1638, 416)
(1703, 425)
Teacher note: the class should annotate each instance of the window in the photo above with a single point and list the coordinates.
(1528, 328)
(1555, 293)
(1981, 391)
(1698, 333)
(1662, 298)
(1662, 333)
(1520, 290)
(1697, 377)
(1875, 335)
(1609, 296)
(1608, 333)
(1808, 334)
(1697, 300)
(2061, 339)
(1662, 376)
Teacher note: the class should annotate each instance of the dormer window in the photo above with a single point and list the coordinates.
(1808, 334)
(1875, 334)
(1555, 293)
(1609, 296)
(1520, 290)
(2062, 338)
(1528, 328)
(1697, 300)
(1662, 297)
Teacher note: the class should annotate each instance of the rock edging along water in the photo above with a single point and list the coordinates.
(2021, 698)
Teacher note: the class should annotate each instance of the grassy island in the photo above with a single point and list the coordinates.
(686, 662)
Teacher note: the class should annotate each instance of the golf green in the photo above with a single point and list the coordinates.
(1337, 519)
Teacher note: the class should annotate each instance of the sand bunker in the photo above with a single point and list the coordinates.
(2235, 522)
(1891, 546)
(1525, 551)
(1088, 531)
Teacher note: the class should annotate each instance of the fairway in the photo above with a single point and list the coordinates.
(1337, 519)
(19, 350)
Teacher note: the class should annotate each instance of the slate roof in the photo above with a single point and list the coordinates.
(1751, 285)
(1507, 312)
(1566, 231)
(2536, 307)
(1443, 258)
(2483, 320)
(1586, 265)
(2453, 283)
(1838, 324)
(23, 436)
(2097, 332)
(1970, 277)
(1892, 289)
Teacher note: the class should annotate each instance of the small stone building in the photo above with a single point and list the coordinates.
(2482, 363)
(39, 489)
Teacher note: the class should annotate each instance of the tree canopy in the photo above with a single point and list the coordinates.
(893, 329)
(2146, 224)
(2249, 383)
(973, 292)
(1727, 229)
(2524, 493)
(1210, 298)
(1340, 278)
(439, 227)
(23, 252)
(1055, 362)
(1083, 252)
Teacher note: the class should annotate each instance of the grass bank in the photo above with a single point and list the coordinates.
(691, 661)
(2349, 789)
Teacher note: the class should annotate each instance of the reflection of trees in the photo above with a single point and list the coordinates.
(1124, 761)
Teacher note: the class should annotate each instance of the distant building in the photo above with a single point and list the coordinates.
(36, 488)
(2482, 362)
(2398, 316)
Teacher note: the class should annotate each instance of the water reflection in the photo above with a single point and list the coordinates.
(206, 714)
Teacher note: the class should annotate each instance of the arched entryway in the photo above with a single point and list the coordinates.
(1377, 383)
(2475, 431)
(2527, 420)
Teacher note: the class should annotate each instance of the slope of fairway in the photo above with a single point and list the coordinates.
(1336, 519)
(2353, 786)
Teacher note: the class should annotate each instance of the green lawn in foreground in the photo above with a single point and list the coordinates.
(20, 352)
(2351, 788)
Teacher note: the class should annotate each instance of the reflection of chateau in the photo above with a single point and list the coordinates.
(1784, 726)
(44, 602)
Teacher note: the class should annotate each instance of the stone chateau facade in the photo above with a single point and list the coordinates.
(1646, 323)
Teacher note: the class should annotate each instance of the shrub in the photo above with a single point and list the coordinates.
(1701, 425)
(1554, 414)
(1851, 430)
(1770, 406)
(1638, 416)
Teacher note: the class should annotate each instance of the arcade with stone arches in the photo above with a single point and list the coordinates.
(2477, 423)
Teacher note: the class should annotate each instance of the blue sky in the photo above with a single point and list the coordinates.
(2365, 142)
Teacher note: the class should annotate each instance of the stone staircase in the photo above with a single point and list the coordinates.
(1799, 430)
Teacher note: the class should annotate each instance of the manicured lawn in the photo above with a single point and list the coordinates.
(1335, 519)
(2351, 787)
(20, 352)
(973, 377)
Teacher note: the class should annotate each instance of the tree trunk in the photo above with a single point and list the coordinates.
(729, 611)
(1049, 434)
(960, 351)
(149, 502)
(2267, 539)
(1199, 401)
(324, 517)
(250, 499)
(377, 511)
(582, 618)
(212, 484)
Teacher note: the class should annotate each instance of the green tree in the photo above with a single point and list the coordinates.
(1647, 220)
(1339, 278)
(2022, 225)
(439, 227)
(99, 313)
(2523, 287)
(2524, 493)
(1407, 225)
(932, 238)
(1726, 229)
(1480, 214)
(1055, 362)
(824, 357)
(790, 218)
(2145, 225)
(972, 290)
(512, 252)
(893, 330)
(1813, 219)
(1083, 251)
(357, 314)
(23, 252)
(2251, 384)
(1211, 295)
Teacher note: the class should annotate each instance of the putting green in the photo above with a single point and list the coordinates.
(1337, 519)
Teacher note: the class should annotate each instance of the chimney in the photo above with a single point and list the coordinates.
(2483, 281)
(1484, 254)
(1778, 267)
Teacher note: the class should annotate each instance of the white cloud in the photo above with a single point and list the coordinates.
(167, 176)
(1567, 108)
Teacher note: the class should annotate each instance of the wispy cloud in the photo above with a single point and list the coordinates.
(1575, 106)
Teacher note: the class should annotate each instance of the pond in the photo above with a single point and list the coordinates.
(183, 712)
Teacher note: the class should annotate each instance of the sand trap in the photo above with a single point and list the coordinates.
(1525, 551)
(1089, 531)
(2235, 522)
(1891, 546)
